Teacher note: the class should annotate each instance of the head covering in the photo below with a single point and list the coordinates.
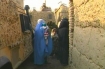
(64, 23)
(40, 48)
(39, 23)
(63, 33)
(59, 23)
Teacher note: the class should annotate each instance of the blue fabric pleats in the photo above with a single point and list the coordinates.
(40, 48)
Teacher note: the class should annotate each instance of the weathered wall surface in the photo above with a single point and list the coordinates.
(61, 12)
(89, 47)
(19, 3)
(9, 24)
(89, 35)
(42, 15)
(12, 39)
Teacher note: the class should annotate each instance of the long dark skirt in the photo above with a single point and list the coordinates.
(63, 56)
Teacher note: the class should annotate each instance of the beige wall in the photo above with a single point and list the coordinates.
(89, 35)
(19, 3)
(12, 40)
(41, 15)
(61, 12)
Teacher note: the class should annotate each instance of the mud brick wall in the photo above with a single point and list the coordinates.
(89, 35)
(19, 3)
(14, 44)
(28, 44)
(10, 30)
(41, 15)
(61, 12)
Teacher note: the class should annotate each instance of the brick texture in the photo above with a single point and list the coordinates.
(12, 39)
(41, 15)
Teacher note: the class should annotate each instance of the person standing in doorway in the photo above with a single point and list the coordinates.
(63, 33)
(42, 43)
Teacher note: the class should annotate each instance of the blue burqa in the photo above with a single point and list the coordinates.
(40, 48)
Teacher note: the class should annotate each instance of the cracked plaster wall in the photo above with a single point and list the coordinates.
(88, 50)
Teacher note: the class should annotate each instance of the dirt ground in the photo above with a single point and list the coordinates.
(54, 64)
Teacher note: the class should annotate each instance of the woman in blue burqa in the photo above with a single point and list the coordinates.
(41, 50)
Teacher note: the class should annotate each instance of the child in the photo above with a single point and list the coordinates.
(46, 32)
(55, 41)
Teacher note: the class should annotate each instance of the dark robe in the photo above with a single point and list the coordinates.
(63, 33)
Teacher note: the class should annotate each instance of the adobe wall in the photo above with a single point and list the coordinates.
(41, 15)
(13, 42)
(61, 12)
(88, 50)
